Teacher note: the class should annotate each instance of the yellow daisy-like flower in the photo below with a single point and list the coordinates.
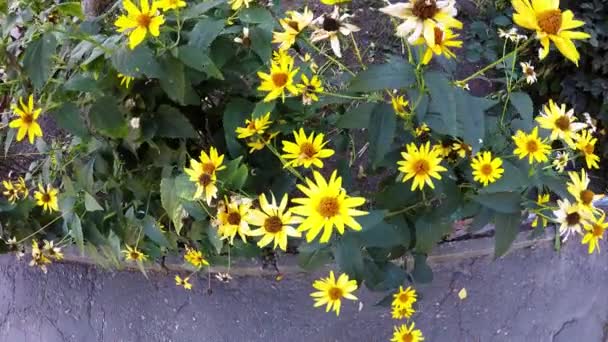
(309, 88)
(139, 21)
(326, 206)
(195, 258)
(404, 312)
(238, 4)
(462, 149)
(233, 217)
(258, 143)
(560, 122)
(134, 254)
(541, 199)
(445, 39)
(167, 5)
(570, 217)
(280, 78)
(307, 150)
(585, 142)
(532, 146)
(125, 80)
(421, 17)
(183, 282)
(421, 130)
(403, 333)
(21, 187)
(561, 161)
(205, 181)
(47, 198)
(594, 231)
(421, 164)
(212, 161)
(400, 105)
(52, 251)
(486, 169)
(254, 126)
(39, 259)
(275, 222)
(444, 148)
(10, 192)
(405, 298)
(578, 188)
(331, 291)
(292, 25)
(27, 122)
(550, 24)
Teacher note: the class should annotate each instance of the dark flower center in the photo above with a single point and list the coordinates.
(234, 218)
(532, 146)
(587, 197)
(273, 224)
(46, 198)
(573, 219)
(335, 293)
(204, 179)
(563, 123)
(279, 79)
(328, 207)
(550, 21)
(307, 149)
(209, 167)
(330, 24)
(421, 167)
(144, 20)
(425, 9)
(486, 169)
(597, 230)
(438, 36)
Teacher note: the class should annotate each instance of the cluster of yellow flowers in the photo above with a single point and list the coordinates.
(46, 197)
(41, 258)
(403, 308)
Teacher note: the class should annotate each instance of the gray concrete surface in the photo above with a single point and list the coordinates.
(533, 294)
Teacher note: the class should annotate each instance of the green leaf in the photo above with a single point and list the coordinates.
(138, 61)
(507, 228)
(523, 104)
(349, 256)
(204, 32)
(235, 114)
(512, 179)
(37, 59)
(261, 42)
(358, 117)
(257, 15)
(481, 219)
(153, 232)
(184, 187)
(106, 117)
(176, 84)
(201, 8)
(262, 108)
(171, 202)
(502, 202)
(383, 277)
(90, 203)
(395, 74)
(81, 82)
(429, 231)
(386, 234)
(171, 123)
(555, 184)
(396, 196)
(197, 59)
(75, 229)
(422, 272)
(381, 132)
(214, 238)
(70, 9)
(235, 175)
(313, 256)
(69, 118)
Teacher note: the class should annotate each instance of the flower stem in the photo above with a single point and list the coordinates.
(40, 230)
(291, 169)
(333, 60)
(495, 63)
(357, 52)
(344, 96)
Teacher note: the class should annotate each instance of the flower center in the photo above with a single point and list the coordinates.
(328, 207)
(421, 167)
(234, 218)
(573, 219)
(335, 293)
(279, 79)
(208, 168)
(307, 150)
(144, 20)
(27, 119)
(597, 230)
(587, 197)
(529, 71)
(589, 149)
(273, 224)
(404, 297)
(204, 179)
(134, 255)
(331, 24)
(486, 169)
(425, 9)
(46, 198)
(532, 146)
(550, 21)
(563, 123)
(438, 36)
(294, 25)
(407, 338)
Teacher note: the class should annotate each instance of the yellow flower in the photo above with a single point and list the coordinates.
(166, 5)
(331, 291)
(444, 148)
(421, 164)
(139, 21)
(26, 123)
(309, 88)
(185, 282)
(47, 198)
(255, 126)
(422, 130)
(275, 222)
(134, 254)
(205, 181)
(258, 143)
(306, 151)
(578, 188)
(402, 312)
(594, 232)
(21, 188)
(541, 199)
(307, 58)
(233, 218)
(292, 25)
(550, 24)
(403, 333)
(10, 192)
(561, 161)
(39, 259)
(405, 298)
(486, 169)
(421, 17)
(195, 258)
(462, 149)
(400, 105)
(561, 123)
(125, 80)
(585, 142)
(212, 162)
(326, 205)
(334, 2)
(531, 145)
(570, 217)
(52, 251)
(280, 78)
(444, 40)
(237, 4)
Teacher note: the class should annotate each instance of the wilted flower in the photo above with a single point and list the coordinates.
(329, 26)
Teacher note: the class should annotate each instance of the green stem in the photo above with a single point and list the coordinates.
(509, 85)
(291, 169)
(495, 63)
(40, 230)
(333, 60)
(357, 52)
(345, 96)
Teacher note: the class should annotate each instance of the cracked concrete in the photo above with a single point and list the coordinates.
(533, 294)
